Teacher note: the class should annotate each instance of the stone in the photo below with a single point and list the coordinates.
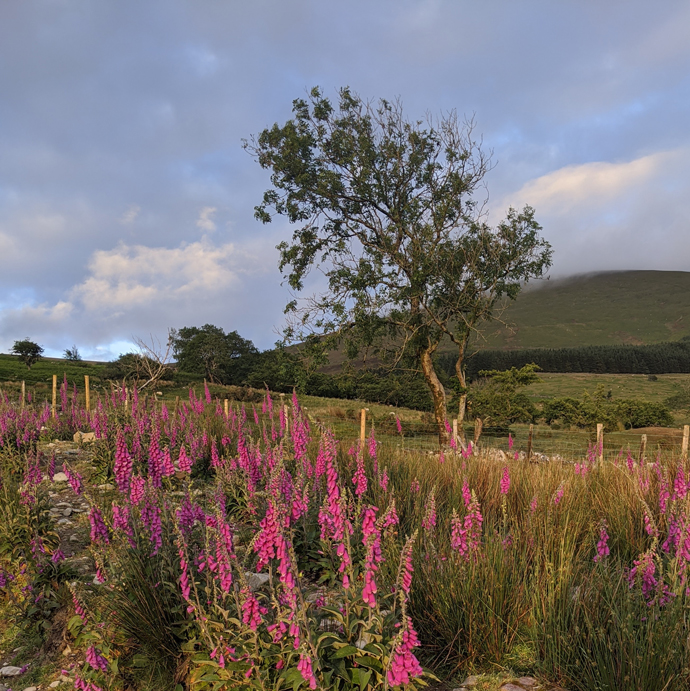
(105, 487)
(54, 684)
(60, 477)
(67, 512)
(73, 538)
(31, 688)
(10, 671)
(471, 681)
(67, 651)
(83, 437)
(65, 521)
(528, 682)
(511, 687)
(256, 580)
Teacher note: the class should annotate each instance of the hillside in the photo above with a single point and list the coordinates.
(632, 307)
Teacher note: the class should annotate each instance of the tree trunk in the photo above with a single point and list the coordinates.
(438, 395)
(462, 405)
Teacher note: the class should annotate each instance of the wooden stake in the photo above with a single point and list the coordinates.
(87, 391)
(643, 446)
(686, 437)
(225, 408)
(23, 393)
(478, 425)
(455, 432)
(55, 395)
(529, 442)
(177, 403)
(600, 442)
(287, 417)
(362, 425)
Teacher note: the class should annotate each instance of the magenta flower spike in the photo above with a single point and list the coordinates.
(505, 481)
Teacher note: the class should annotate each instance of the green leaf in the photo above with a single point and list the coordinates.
(344, 652)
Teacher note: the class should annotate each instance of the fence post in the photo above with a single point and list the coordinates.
(55, 395)
(362, 425)
(23, 394)
(177, 403)
(455, 432)
(686, 436)
(643, 446)
(286, 411)
(529, 441)
(478, 424)
(225, 408)
(600, 442)
(87, 390)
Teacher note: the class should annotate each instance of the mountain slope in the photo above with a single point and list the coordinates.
(633, 307)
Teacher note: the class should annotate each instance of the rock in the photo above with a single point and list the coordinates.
(511, 687)
(256, 580)
(84, 437)
(73, 538)
(67, 651)
(10, 671)
(54, 684)
(65, 521)
(60, 477)
(67, 512)
(31, 688)
(528, 682)
(471, 681)
(106, 487)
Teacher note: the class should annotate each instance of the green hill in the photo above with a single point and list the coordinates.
(617, 307)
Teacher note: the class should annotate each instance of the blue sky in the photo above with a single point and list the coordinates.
(126, 200)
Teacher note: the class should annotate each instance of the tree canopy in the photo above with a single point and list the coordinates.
(27, 351)
(390, 211)
(221, 357)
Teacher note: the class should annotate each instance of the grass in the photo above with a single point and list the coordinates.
(634, 307)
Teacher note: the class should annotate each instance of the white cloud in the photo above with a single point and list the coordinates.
(625, 215)
(205, 220)
(131, 276)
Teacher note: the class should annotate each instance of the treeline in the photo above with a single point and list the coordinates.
(659, 358)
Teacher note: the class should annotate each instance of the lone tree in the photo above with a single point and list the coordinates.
(27, 351)
(389, 210)
(72, 354)
(223, 358)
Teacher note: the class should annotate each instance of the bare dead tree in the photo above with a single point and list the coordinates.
(153, 361)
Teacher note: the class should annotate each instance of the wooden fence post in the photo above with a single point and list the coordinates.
(478, 425)
(177, 403)
(225, 408)
(55, 395)
(643, 446)
(286, 413)
(23, 394)
(529, 442)
(87, 391)
(686, 436)
(455, 432)
(600, 442)
(362, 425)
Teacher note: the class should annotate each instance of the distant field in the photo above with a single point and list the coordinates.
(634, 307)
(13, 369)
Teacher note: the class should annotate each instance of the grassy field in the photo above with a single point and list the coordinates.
(13, 369)
(633, 307)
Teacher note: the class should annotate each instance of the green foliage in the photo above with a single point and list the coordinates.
(498, 399)
(602, 408)
(221, 357)
(387, 208)
(659, 358)
(72, 354)
(27, 351)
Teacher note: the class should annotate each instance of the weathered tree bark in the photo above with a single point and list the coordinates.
(438, 394)
(462, 404)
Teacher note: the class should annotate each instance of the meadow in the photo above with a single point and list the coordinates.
(187, 548)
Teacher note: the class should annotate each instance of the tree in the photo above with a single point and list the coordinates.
(27, 351)
(498, 399)
(145, 368)
(72, 354)
(389, 210)
(221, 357)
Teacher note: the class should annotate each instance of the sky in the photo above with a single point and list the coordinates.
(126, 199)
